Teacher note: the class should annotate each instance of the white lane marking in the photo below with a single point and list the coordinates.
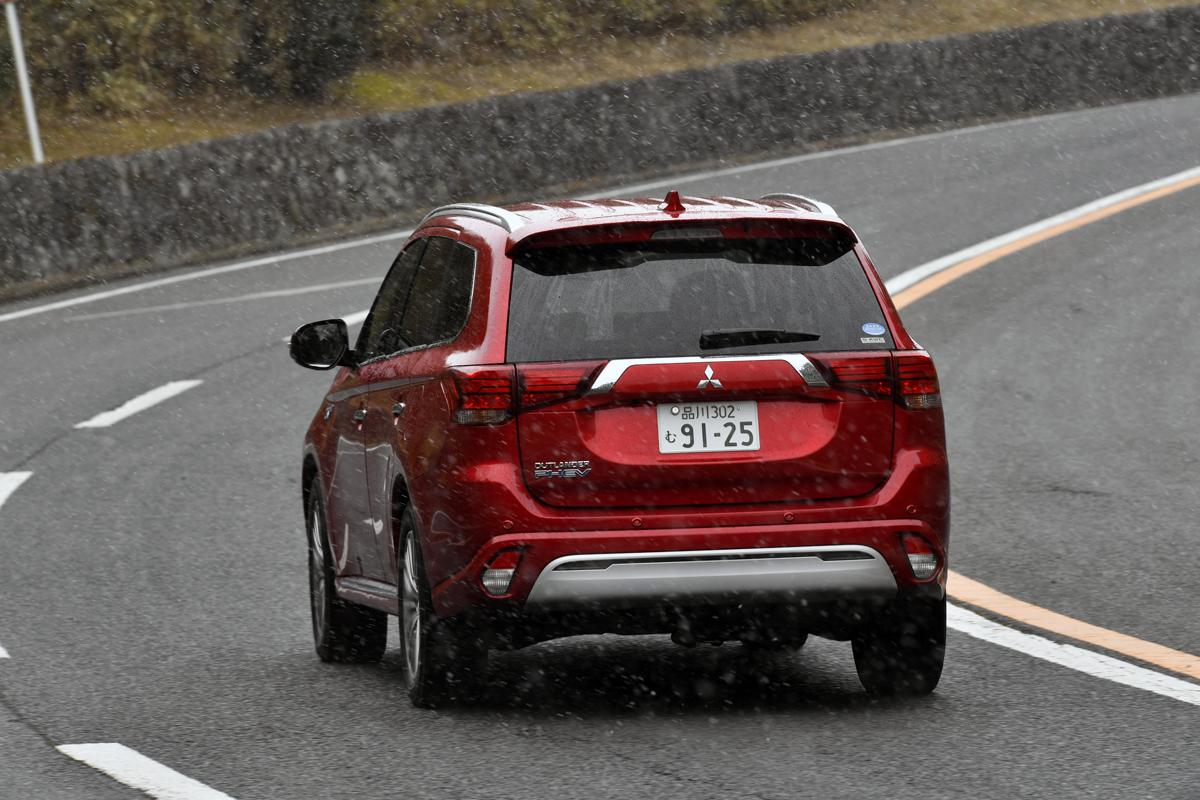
(840, 151)
(350, 319)
(628, 189)
(9, 482)
(1072, 657)
(353, 319)
(910, 277)
(204, 273)
(128, 766)
(216, 301)
(139, 403)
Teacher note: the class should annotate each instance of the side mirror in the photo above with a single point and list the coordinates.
(322, 345)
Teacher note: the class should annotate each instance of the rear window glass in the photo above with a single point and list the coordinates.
(654, 299)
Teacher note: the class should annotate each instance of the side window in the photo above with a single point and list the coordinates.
(381, 330)
(440, 299)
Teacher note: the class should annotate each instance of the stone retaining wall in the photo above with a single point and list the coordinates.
(165, 207)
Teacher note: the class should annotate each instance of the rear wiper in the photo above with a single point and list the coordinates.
(742, 337)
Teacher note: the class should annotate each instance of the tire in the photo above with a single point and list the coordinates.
(902, 655)
(342, 632)
(443, 659)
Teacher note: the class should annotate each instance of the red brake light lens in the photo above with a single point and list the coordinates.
(909, 377)
(484, 395)
(551, 383)
(870, 375)
(917, 382)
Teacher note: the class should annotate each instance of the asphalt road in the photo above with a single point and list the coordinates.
(152, 573)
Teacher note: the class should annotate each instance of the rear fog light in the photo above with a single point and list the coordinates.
(921, 558)
(498, 574)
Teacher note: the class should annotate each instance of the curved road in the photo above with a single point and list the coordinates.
(152, 572)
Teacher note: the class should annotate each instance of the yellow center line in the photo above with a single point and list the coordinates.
(940, 279)
(974, 593)
(971, 592)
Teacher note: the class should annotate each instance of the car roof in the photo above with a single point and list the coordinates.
(522, 220)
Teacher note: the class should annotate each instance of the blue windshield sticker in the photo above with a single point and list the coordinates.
(873, 329)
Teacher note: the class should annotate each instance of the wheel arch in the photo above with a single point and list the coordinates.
(401, 499)
(309, 473)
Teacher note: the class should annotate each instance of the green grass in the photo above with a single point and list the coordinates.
(72, 135)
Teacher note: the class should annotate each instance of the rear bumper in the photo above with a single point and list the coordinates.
(696, 566)
(689, 577)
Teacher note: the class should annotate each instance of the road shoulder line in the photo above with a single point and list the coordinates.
(913, 284)
(923, 280)
(974, 593)
(1072, 657)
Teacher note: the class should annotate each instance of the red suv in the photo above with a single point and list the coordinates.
(700, 416)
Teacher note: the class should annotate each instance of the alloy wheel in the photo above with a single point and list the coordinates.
(318, 584)
(410, 611)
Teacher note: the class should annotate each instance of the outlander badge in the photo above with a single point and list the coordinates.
(561, 469)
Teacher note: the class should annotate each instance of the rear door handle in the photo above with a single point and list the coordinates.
(360, 415)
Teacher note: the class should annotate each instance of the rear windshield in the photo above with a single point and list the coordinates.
(652, 299)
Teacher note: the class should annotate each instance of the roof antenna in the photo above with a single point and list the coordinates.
(672, 204)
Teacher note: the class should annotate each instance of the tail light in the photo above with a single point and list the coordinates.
(551, 383)
(484, 394)
(870, 375)
(908, 377)
(498, 574)
(917, 382)
(921, 557)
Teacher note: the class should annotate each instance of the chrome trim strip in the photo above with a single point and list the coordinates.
(505, 219)
(614, 369)
(369, 592)
(769, 573)
(815, 205)
(378, 386)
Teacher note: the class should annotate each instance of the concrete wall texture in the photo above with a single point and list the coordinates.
(164, 207)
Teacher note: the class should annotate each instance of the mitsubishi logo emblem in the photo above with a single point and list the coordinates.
(708, 381)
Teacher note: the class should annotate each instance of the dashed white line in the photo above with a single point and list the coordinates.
(135, 770)
(10, 482)
(139, 403)
(353, 319)
(1072, 657)
(350, 319)
(217, 301)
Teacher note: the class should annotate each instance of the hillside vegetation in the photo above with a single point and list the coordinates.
(130, 74)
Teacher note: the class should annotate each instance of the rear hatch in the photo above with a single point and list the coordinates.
(700, 366)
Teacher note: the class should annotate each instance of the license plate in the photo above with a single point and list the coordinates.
(705, 427)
